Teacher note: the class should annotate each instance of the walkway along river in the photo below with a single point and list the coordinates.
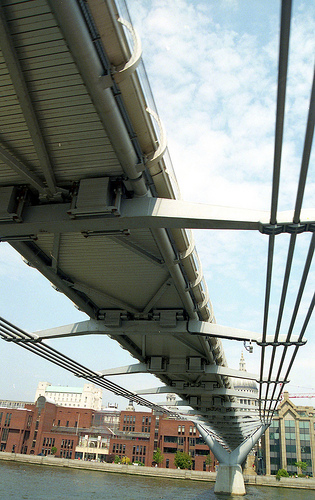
(32, 478)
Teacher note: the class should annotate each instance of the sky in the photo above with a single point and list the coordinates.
(212, 68)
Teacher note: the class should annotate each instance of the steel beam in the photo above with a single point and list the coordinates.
(88, 290)
(32, 255)
(25, 102)
(22, 170)
(158, 294)
(133, 247)
(150, 327)
(174, 369)
(197, 391)
(147, 213)
(82, 47)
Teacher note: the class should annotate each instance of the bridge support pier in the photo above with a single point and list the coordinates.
(230, 478)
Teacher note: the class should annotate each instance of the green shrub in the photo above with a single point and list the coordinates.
(182, 460)
(282, 473)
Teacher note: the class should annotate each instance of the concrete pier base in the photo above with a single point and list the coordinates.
(230, 480)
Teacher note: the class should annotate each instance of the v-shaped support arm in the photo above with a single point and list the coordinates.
(238, 455)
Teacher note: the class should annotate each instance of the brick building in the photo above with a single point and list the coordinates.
(182, 435)
(37, 428)
(135, 437)
(81, 433)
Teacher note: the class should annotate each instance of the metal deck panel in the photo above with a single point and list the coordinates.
(56, 100)
(97, 262)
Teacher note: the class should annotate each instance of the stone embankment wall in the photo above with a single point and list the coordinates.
(285, 482)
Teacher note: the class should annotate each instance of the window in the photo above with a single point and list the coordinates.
(304, 428)
(291, 461)
(202, 452)
(170, 439)
(289, 426)
(67, 424)
(200, 440)
(5, 434)
(290, 448)
(275, 448)
(305, 449)
(7, 419)
(29, 421)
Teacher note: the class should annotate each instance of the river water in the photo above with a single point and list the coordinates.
(33, 482)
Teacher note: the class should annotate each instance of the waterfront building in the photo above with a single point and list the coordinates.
(135, 436)
(290, 438)
(40, 427)
(88, 396)
(182, 435)
(81, 433)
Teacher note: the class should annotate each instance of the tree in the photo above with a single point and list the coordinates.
(282, 473)
(54, 450)
(208, 460)
(116, 460)
(182, 460)
(301, 465)
(158, 457)
(126, 460)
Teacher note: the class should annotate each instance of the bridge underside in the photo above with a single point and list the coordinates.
(88, 198)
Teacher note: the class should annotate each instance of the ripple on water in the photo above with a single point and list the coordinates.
(31, 482)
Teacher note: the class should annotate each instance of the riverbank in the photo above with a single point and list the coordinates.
(285, 482)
